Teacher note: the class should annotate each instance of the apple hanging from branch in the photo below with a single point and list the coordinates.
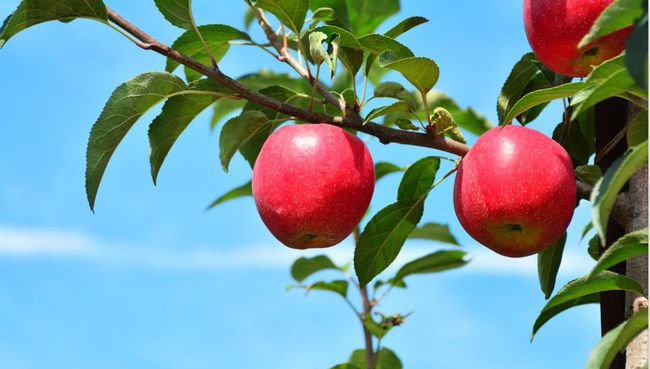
(515, 191)
(555, 28)
(312, 184)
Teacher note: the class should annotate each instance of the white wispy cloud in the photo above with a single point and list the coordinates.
(39, 243)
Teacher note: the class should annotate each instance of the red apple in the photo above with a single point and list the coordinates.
(555, 28)
(312, 184)
(515, 191)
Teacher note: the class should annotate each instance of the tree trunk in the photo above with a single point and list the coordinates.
(611, 118)
(637, 268)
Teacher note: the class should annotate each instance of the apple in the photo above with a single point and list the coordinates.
(515, 191)
(555, 27)
(312, 184)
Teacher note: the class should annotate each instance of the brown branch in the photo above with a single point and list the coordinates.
(384, 134)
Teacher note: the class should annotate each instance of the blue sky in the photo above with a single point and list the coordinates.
(153, 281)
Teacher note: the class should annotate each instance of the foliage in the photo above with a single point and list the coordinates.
(333, 31)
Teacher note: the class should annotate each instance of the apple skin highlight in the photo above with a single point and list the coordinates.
(312, 184)
(515, 191)
(555, 27)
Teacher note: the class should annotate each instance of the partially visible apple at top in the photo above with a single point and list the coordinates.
(555, 28)
(515, 191)
(312, 184)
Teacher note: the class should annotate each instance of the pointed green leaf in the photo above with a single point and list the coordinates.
(548, 264)
(637, 51)
(367, 15)
(375, 44)
(30, 13)
(291, 13)
(386, 359)
(237, 131)
(323, 15)
(522, 72)
(605, 191)
(177, 12)
(385, 234)
(304, 267)
(616, 340)
(177, 113)
(422, 72)
(618, 15)
(542, 96)
(637, 130)
(435, 232)
(631, 245)
(434, 262)
(125, 106)
(616, 81)
(338, 286)
(216, 37)
(446, 125)
(405, 26)
(418, 178)
(402, 106)
(384, 168)
(584, 290)
(237, 192)
(341, 17)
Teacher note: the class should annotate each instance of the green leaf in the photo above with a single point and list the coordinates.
(341, 17)
(618, 15)
(338, 286)
(375, 328)
(405, 26)
(367, 15)
(177, 113)
(321, 54)
(237, 192)
(522, 72)
(406, 125)
(223, 107)
(376, 44)
(616, 340)
(589, 174)
(251, 148)
(608, 79)
(445, 124)
(435, 232)
(418, 178)
(345, 366)
(126, 105)
(30, 13)
(237, 131)
(384, 168)
(304, 266)
(386, 359)
(594, 247)
(291, 13)
(548, 264)
(637, 51)
(216, 37)
(177, 12)
(402, 106)
(323, 15)
(631, 245)
(467, 119)
(542, 96)
(584, 290)
(435, 262)
(422, 72)
(385, 234)
(588, 227)
(578, 138)
(605, 191)
(637, 129)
